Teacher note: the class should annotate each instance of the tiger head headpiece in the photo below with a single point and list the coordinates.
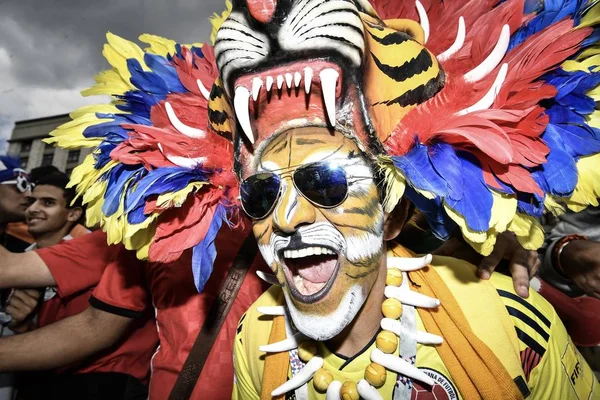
(482, 114)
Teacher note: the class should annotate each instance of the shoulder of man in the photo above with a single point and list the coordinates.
(552, 366)
(254, 329)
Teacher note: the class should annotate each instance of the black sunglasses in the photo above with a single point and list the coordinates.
(322, 183)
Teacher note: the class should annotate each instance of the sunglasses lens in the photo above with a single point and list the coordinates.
(322, 183)
(259, 193)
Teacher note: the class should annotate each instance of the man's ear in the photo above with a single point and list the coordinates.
(394, 221)
(74, 214)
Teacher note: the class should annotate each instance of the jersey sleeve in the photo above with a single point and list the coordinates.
(562, 372)
(77, 264)
(243, 387)
(122, 290)
(552, 365)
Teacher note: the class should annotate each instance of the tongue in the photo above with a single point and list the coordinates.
(315, 269)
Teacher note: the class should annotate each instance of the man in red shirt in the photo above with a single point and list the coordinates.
(127, 288)
(121, 368)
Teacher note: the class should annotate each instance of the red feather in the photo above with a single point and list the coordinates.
(182, 228)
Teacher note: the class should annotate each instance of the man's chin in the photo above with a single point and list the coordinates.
(315, 324)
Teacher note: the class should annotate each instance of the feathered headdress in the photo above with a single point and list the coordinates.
(512, 133)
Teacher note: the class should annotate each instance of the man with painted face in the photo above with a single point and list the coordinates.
(351, 114)
(319, 118)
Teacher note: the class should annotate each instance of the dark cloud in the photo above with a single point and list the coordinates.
(48, 45)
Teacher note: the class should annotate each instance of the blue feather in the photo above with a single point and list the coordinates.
(160, 181)
(117, 183)
(530, 204)
(138, 103)
(145, 80)
(576, 140)
(552, 12)
(447, 165)
(419, 171)
(166, 71)
(104, 129)
(205, 252)
(559, 173)
(476, 207)
(441, 225)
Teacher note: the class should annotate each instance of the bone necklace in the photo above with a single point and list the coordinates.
(383, 357)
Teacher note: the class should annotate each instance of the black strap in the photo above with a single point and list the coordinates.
(186, 381)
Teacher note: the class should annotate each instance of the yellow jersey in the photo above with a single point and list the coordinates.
(548, 365)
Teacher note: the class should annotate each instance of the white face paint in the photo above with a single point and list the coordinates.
(325, 258)
(325, 327)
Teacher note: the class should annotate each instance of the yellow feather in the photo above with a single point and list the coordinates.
(590, 51)
(109, 83)
(503, 211)
(217, 20)
(118, 50)
(70, 134)
(553, 206)
(587, 190)
(395, 184)
(591, 18)
(94, 108)
(485, 248)
(528, 230)
(158, 45)
(468, 233)
(176, 199)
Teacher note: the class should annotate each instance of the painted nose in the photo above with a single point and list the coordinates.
(262, 10)
(292, 210)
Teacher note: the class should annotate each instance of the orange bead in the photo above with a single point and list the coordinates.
(394, 277)
(307, 350)
(349, 391)
(375, 374)
(391, 308)
(387, 342)
(322, 379)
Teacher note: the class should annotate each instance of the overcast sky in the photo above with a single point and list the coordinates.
(51, 49)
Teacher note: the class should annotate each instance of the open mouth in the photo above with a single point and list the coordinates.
(310, 271)
(310, 90)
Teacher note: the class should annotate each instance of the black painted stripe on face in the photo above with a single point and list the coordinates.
(392, 38)
(353, 12)
(302, 141)
(226, 28)
(217, 91)
(223, 52)
(338, 39)
(369, 209)
(340, 24)
(217, 117)
(419, 94)
(263, 233)
(417, 65)
(236, 41)
(235, 59)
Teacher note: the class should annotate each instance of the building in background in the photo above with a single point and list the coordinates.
(26, 143)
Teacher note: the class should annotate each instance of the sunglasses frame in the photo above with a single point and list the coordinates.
(292, 175)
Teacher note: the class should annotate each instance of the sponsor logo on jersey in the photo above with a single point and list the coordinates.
(443, 389)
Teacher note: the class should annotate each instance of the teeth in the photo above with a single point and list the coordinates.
(279, 82)
(269, 83)
(308, 75)
(329, 78)
(297, 79)
(288, 80)
(256, 85)
(309, 251)
(240, 103)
